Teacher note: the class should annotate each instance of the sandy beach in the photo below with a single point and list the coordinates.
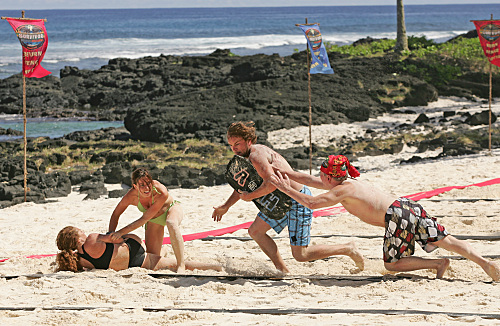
(324, 292)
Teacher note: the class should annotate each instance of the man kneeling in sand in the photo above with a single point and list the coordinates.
(404, 220)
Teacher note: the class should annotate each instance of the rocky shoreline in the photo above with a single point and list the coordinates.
(169, 99)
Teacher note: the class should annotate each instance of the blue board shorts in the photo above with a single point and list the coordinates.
(298, 220)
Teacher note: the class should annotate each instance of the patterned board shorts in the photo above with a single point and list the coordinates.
(298, 220)
(407, 222)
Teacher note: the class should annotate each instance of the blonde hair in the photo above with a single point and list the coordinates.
(245, 130)
(67, 241)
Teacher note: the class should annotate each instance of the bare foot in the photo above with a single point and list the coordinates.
(356, 256)
(181, 269)
(493, 271)
(443, 266)
(283, 270)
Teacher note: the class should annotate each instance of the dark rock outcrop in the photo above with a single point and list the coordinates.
(10, 132)
(169, 98)
(481, 118)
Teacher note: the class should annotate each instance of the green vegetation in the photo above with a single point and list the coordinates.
(391, 93)
(92, 155)
(375, 48)
(435, 63)
(440, 63)
(462, 50)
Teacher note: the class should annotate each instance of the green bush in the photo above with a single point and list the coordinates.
(437, 63)
(419, 42)
(463, 52)
(459, 52)
(377, 47)
(380, 46)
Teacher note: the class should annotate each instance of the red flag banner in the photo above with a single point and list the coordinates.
(488, 32)
(33, 37)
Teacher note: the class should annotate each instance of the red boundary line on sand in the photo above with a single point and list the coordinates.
(321, 212)
(212, 233)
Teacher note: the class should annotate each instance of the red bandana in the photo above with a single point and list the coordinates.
(338, 166)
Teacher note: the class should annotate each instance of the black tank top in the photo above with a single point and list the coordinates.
(101, 262)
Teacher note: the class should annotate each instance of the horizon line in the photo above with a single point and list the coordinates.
(241, 7)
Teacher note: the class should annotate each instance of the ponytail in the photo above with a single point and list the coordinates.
(68, 260)
(67, 241)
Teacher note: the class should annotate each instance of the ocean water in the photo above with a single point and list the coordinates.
(87, 39)
(49, 127)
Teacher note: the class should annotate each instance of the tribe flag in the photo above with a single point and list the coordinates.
(488, 32)
(319, 62)
(33, 37)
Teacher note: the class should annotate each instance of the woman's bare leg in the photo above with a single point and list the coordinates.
(192, 265)
(154, 238)
(156, 262)
(174, 219)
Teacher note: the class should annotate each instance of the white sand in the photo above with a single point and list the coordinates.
(120, 297)
(324, 135)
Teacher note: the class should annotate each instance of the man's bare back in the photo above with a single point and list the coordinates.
(370, 205)
(363, 200)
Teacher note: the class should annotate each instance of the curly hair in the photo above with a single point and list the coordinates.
(140, 173)
(245, 130)
(67, 241)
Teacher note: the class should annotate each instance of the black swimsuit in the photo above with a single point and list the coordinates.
(103, 261)
(135, 249)
(136, 253)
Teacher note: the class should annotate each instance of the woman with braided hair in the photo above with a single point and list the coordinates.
(80, 252)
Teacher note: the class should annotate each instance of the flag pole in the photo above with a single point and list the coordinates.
(24, 118)
(309, 95)
(24, 126)
(310, 106)
(313, 35)
(490, 89)
(489, 113)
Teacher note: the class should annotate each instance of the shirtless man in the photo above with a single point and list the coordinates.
(242, 138)
(404, 220)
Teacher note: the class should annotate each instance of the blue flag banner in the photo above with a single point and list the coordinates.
(319, 63)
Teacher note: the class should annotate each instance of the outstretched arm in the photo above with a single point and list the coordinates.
(303, 178)
(282, 182)
(222, 209)
(117, 212)
(107, 238)
(150, 213)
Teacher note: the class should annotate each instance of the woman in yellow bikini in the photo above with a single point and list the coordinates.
(159, 209)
